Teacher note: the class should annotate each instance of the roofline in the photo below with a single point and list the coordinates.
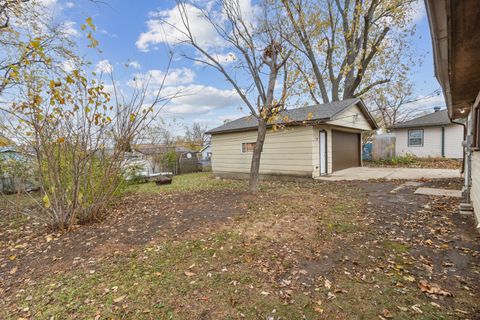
(288, 124)
(423, 125)
(359, 103)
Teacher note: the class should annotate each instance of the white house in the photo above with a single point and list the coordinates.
(456, 52)
(206, 152)
(316, 140)
(431, 135)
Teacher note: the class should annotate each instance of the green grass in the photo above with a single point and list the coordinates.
(190, 183)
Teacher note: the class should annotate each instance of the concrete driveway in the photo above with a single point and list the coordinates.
(366, 173)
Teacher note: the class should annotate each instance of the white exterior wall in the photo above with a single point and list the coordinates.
(453, 141)
(432, 142)
(475, 191)
(285, 152)
(351, 118)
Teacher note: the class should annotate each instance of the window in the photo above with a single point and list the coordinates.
(248, 146)
(415, 138)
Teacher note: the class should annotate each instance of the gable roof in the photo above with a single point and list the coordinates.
(439, 118)
(312, 114)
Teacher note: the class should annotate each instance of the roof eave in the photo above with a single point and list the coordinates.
(289, 124)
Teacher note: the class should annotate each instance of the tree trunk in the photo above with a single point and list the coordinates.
(257, 153)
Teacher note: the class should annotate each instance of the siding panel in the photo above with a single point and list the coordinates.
(432, 143)
(453, 141)
(287, 151)
(475, 191)
(351, 118)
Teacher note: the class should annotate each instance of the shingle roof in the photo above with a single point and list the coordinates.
(437, 118)
(319, 113)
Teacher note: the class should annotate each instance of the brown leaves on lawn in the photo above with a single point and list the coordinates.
(432, 288)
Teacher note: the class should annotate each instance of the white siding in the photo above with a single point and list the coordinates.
(285, 152)
(351, 118)
(432, 142)
(453, 141)
(475, 191)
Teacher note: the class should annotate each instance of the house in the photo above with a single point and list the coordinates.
(431, 135)
(206, 152)
(16, 170)
(315, 140)
(159, 156)
(455, 30)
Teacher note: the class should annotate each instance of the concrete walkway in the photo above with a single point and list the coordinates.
(366, 173)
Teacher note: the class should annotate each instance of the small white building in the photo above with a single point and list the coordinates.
(315, 140)
(431, 135)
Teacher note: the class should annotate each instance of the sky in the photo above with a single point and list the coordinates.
(134, 46)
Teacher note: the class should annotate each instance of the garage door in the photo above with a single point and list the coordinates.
(345, 150)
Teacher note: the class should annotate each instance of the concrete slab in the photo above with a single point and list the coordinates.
(439, 192)
(367, 173)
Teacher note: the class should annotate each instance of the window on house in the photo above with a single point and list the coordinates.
(415, 138)
(248, 146)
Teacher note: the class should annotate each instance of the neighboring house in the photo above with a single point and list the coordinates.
(455, 30)
(316, 140)
(206, 152)
(431, 135)
(155, 155)
(205, 157)
(16, 171)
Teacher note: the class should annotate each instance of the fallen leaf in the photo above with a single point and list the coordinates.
(328, 284)
(119, 299)
(432, 288)
(189, 273)
(409, 278)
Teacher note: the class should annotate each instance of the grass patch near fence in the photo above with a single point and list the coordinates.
(191, 182)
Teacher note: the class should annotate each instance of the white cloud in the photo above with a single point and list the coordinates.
(166, 27)
(68, 65)
(68, 28)
(134, 64)
(222, 58)
(69, 4)
(175, 77)
(103, 66)
(198, 99)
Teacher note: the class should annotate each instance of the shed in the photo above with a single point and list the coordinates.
(313, 141)
(431, 135)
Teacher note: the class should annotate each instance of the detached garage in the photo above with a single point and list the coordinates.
(316, 140)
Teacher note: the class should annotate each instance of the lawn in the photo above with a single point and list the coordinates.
(205, 248)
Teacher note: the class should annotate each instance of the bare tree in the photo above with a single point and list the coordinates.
(390, 106)
(346, 48)
(195, 134)
(259, 50)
